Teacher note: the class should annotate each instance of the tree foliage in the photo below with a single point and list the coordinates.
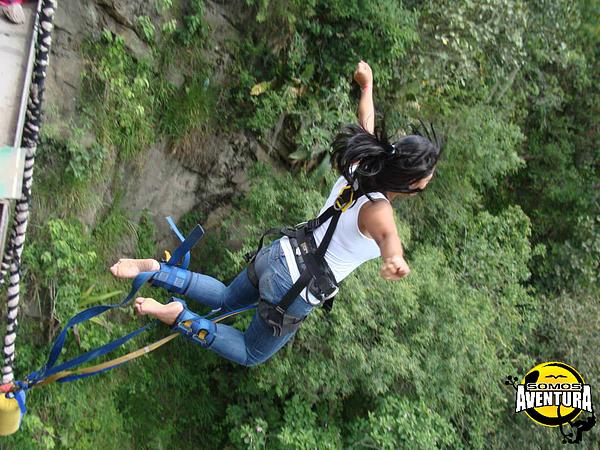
(503, 245)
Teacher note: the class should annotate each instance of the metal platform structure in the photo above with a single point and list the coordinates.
(16, 63)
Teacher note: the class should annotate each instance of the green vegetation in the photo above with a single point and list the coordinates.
(126, 103)
(128, 98)
(504, 245)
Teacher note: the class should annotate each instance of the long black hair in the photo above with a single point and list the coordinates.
(371, 163)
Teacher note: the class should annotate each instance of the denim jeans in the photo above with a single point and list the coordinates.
(257, 343)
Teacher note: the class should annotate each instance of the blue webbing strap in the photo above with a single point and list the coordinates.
(84, 315)
(106, 369)
(95, 353)
(174, 228)
(20, 398)
(183, 251)
(50, 369)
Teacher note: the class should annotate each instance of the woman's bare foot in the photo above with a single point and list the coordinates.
(165, 313)
(130, 268)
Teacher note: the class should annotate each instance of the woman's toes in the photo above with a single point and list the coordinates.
(139, 306)
(166, 313)
(125, 268)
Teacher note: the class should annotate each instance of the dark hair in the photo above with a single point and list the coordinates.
(381, 165)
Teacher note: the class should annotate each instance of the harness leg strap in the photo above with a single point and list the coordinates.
(252, 276)
(193, 326)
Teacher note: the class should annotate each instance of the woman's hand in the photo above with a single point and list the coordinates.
(394, 268)
(130, 268)
(366, 109)
(363, 75)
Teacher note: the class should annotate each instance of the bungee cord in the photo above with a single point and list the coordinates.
(11, 261)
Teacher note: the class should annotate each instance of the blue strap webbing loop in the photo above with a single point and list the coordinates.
(106, 369)
(94, 353)
(23, 386)
(174, 228)
(182, 251)
(78, 318)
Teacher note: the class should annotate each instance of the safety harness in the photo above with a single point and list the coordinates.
(315, 274)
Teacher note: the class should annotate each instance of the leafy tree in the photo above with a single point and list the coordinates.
(503, 246)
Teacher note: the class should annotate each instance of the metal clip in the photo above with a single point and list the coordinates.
(333, 294)
(344, 207)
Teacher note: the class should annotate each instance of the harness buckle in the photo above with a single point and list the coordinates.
(249, 256)
(333, 294)
(303, 247)
(322, 293)
(343, 207)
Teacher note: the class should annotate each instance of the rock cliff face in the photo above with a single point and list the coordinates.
(75, 21)
(163, 182)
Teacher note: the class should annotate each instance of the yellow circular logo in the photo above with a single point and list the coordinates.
(554, 394)
(561, 385)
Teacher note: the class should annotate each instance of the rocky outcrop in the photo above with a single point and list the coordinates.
(168, 185)
(76, 21)
(202, 175)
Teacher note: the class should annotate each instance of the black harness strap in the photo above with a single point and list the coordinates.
(251, 271)
(313, 263)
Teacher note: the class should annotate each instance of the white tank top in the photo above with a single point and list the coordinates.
(348, 249)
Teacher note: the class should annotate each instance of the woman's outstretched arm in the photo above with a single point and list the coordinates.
(366, 110)
(376, 220)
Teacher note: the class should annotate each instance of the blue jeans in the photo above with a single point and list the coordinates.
(257, 343)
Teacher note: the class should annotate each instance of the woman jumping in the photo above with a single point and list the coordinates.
(303, 268)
